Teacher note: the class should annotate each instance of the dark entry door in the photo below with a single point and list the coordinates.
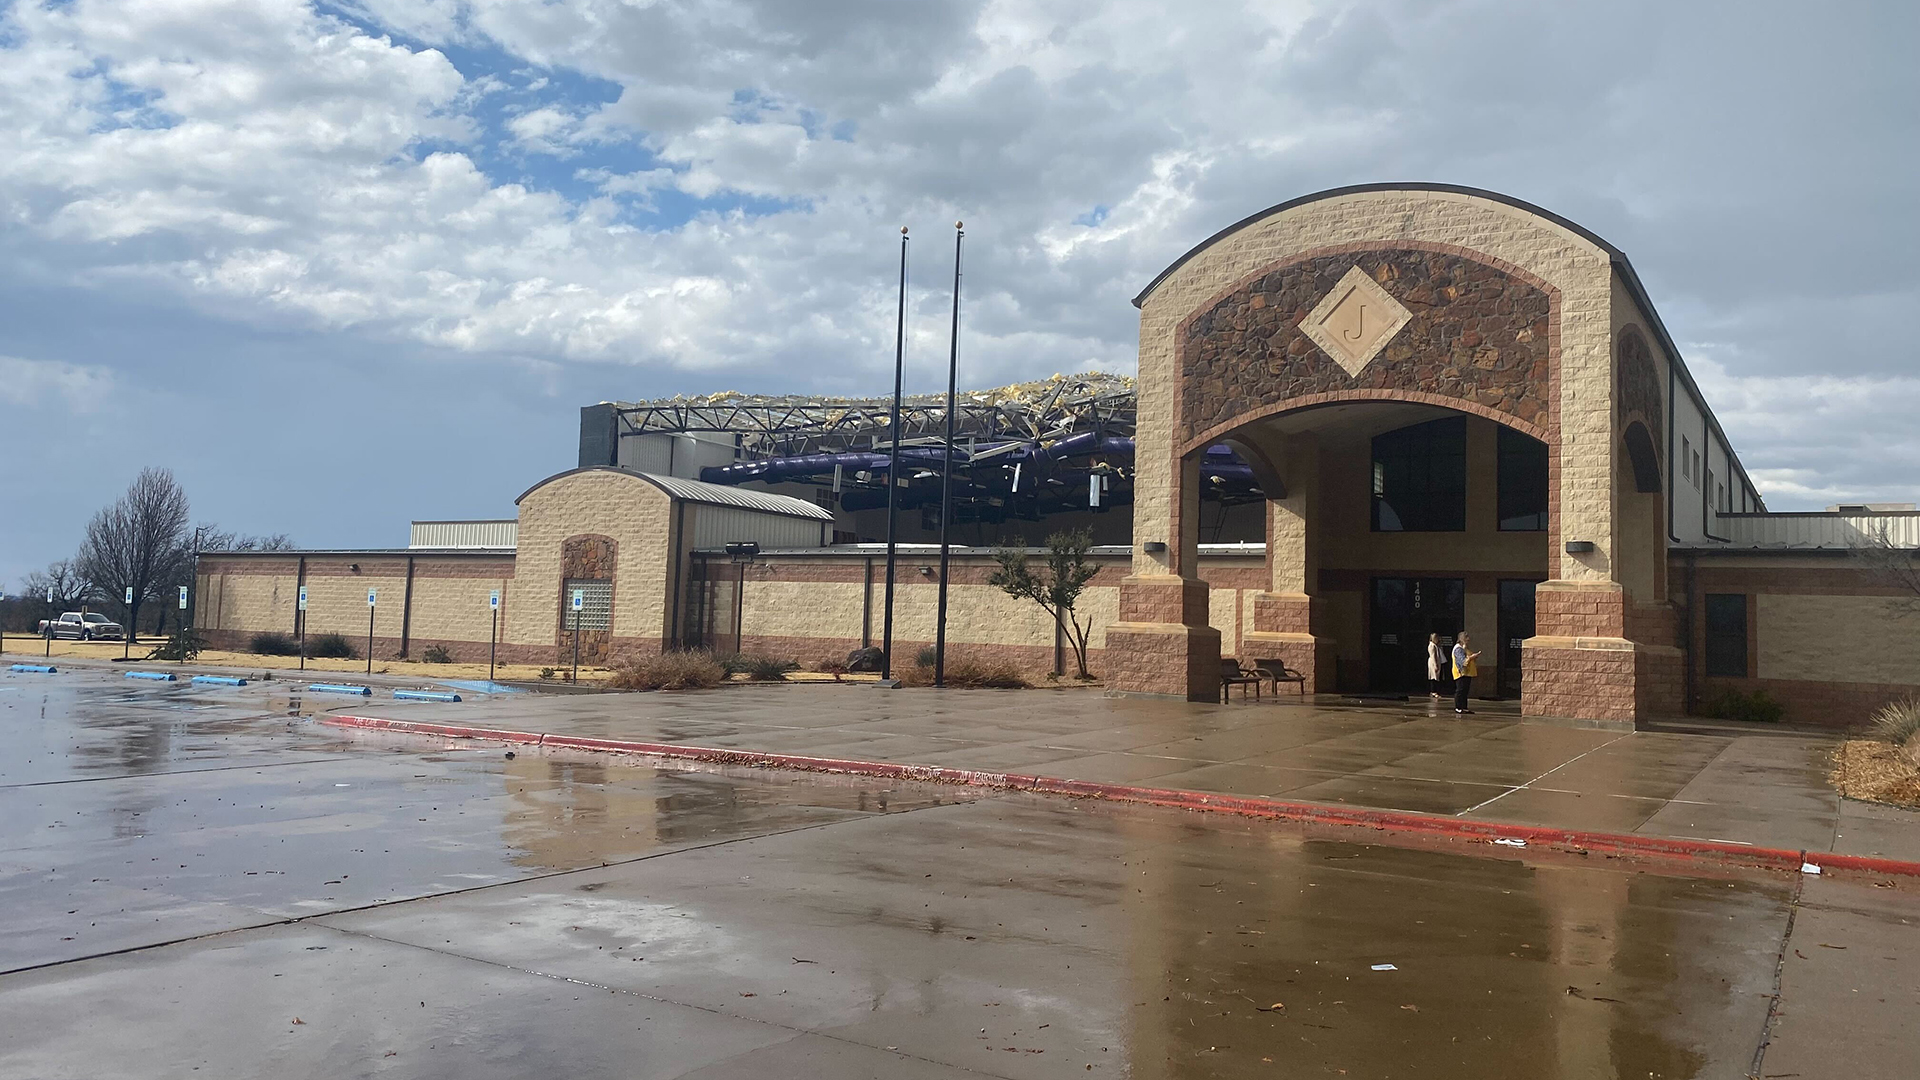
(1405, 611)
(1516, 626)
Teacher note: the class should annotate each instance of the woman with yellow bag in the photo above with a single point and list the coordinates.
(1465, 667)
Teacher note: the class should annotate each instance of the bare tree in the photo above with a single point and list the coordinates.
(62, 581)
(135, 542)
(1058, 588)
(1896, 567)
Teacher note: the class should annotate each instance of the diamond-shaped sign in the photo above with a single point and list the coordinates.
(1354, 321)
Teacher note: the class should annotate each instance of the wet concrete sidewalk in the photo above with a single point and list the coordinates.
(200, 883)
(1743, 785)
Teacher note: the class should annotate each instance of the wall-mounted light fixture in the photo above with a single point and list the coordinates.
(926, 571)
(1153, 547)
(355, 567)
(1579, 547)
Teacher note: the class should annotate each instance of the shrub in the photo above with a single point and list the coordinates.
(767, 669)
(332, 647)
(926, 656)
(831, 666)
(1758, 707)
(546, 673)
(1898, 722)
(185, 644)
(437, 654)
(669, 671)
(273, 643)
(733, 663)
(965, 674)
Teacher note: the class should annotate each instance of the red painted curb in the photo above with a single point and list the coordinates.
(1623, 844)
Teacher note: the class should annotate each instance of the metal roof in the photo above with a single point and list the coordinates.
(699, 491)
(765, 502)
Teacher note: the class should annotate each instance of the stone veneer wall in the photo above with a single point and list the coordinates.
(1478, 334)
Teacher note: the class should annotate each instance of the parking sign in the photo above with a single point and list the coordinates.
(129, 594)
(371, 593)
(183, 598)
(493, 600)
(303, 598)
(579, 599)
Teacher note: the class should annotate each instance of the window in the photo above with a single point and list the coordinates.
(1420, 478)
(1696, 469)
(1523, 482)
(596, 604)
(1727, 635)
(1686, 457)
(1709, 489)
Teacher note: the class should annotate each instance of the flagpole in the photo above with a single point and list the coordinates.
(893, 463)
(946, 468)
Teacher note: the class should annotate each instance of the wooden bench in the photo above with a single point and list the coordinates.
(1232, 674)
(1278, 672)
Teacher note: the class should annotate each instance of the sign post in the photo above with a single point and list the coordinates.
(371, 594)
(302, 620)
(493, 642)
(579, 601)
(184, 628)
(50, 622)
(126, 632)
(3, 624)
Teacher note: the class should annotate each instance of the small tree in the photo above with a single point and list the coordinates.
(1057, 587)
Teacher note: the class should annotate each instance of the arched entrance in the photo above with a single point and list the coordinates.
(1390, 520)
(1354, 341)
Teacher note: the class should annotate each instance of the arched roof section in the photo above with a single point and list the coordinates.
(699, 491)
(1622, 266)
(1581, 231)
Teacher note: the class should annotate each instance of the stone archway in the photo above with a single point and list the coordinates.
(1399, 296)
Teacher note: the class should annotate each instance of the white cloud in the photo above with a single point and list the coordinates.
(715, 186)
(76, 388)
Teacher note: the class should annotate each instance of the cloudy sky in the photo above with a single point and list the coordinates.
(343, 264)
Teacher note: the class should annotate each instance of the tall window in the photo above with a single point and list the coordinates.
(1420, 478)
(1727, 635)
(1523, 482)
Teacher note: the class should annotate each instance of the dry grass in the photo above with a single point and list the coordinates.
(1875, 771)
(669, 671)
(964, 674)
(25, 648)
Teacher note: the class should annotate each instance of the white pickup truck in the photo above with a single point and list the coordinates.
(81, 626)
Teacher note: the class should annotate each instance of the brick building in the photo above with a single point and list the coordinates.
(1459, 412)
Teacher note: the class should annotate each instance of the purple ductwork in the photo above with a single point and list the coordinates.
(1219, 461)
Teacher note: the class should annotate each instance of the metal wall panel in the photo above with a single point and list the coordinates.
(464, 534)
(1819, 530)
(716, 526)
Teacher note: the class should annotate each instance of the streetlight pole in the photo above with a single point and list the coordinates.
(893, 464)
(946, 468)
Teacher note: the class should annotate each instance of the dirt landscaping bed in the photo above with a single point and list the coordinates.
(1875, 771)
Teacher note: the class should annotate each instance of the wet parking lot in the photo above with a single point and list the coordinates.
(204, 883)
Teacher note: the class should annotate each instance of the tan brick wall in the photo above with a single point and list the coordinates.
(1838, 639)
(632, 512)
(452, 611)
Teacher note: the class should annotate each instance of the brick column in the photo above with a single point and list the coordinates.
(1582, 663)
(1163, 645)
(1285, 619)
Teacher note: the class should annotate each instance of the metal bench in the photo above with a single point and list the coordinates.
(1277, 672)
(1232, 674)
